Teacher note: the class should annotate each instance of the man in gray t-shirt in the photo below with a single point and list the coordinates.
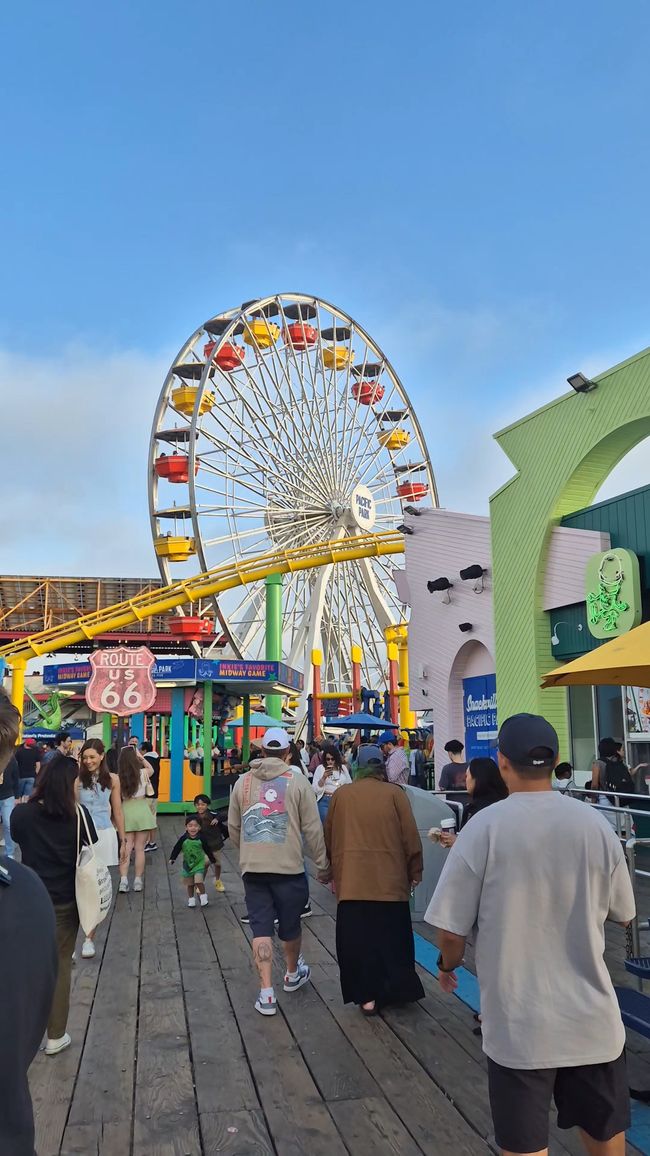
(534, 878)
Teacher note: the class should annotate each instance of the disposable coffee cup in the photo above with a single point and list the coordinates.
(448, 826)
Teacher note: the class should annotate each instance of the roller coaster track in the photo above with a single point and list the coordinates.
(190, 590)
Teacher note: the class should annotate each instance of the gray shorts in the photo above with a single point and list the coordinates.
(271, 896)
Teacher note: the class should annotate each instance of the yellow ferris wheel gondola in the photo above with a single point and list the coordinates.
(339, 354)
(394, 439)
(174, 547)
(184, 397)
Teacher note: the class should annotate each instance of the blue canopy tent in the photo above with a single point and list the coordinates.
(360, 722)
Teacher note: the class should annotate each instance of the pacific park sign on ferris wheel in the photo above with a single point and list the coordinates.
(121, 681)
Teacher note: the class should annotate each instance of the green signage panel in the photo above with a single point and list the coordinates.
(613, 593)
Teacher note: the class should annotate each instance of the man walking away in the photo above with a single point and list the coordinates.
(272, 812)
(396, 759)
(28, 757)
(539, 874)
(452, 775)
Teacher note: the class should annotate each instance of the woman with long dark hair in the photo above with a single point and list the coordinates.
(328, 777)
(134, 783)
(99, 791)
(46, 830)
(485, 787)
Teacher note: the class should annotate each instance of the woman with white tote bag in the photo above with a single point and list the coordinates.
(49, 830)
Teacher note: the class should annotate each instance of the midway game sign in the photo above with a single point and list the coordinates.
(121, 681)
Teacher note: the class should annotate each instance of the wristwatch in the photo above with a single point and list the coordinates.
(447, 970)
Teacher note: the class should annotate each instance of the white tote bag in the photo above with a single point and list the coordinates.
(93, 886)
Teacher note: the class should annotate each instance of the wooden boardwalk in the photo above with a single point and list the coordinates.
(169, 1057)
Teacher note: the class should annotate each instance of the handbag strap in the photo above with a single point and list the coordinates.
(81, 815)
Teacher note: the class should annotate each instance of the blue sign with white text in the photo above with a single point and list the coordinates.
(480, 716)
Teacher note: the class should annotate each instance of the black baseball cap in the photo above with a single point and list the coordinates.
(528, 740)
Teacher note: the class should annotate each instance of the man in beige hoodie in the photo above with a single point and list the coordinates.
(273, 820)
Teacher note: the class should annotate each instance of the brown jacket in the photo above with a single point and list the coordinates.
(372, 842)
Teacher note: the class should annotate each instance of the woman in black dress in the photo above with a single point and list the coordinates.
(485, 786)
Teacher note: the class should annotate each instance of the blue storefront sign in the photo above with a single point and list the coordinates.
(189, 670)
(480, 716)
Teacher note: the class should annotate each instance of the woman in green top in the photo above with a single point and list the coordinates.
(196, 855)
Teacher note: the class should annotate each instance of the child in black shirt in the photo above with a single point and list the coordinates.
(215, 833)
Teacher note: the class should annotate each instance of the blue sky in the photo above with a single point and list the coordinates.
(470, 182)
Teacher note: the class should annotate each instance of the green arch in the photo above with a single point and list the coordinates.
(563, 453)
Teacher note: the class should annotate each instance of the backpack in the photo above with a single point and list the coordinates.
(618, 778)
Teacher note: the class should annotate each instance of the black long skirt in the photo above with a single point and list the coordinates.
(374, 946)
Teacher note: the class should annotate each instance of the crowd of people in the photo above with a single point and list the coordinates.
(529, 869)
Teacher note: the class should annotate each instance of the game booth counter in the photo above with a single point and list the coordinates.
(202, 702)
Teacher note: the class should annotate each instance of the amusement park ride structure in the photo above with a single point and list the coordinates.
(283, 453)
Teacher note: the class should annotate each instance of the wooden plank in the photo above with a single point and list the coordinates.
(165, 1111)
(222, 1076)
(105, 1080)
(52, 1079)
(371, 1128)
(237, 1133)
(297, 1118)
(97, 1139)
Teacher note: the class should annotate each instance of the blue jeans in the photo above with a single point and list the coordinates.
(6, 807)
(26, 786)
(324, 806)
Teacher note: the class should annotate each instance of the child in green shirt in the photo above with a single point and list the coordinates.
(196, 855)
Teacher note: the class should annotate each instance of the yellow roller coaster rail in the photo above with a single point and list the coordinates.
(189, 590)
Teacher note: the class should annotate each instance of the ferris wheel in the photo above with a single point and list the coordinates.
(282, 424)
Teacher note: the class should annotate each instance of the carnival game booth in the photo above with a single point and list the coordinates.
(198, 701)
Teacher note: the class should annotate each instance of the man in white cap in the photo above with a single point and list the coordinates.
(273, 820)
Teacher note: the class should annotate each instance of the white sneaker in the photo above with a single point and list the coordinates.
(124, 885)
(53, 1047)
(266, 1007)
(74, 957)
(203, 900)
(137, 883)
(192, 901)
(88, 949)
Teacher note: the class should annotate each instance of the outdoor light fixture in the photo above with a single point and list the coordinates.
(405, 529)
(554, 638)
(440, 584)
(580, 383)
(413, 511)
(465, 627)
(474, 573)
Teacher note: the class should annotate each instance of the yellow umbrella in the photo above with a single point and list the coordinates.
(624, 661)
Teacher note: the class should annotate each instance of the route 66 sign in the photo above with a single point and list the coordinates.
(121, 682)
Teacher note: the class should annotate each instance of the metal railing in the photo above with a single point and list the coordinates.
(623, 825)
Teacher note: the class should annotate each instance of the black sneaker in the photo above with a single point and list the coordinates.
(244, 919)
(151, 846)
(307, 912)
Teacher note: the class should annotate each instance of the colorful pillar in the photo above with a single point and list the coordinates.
(163, 735)
(399, 635)
(316, 662)
(393, 679)
(207, 745)
(273, 638)
(107, 730)
(18, 689)
(246, 730)
(176, 744)
(154, 730)
(137, 726)
(356, 654)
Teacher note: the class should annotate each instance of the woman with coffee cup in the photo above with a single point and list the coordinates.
(485, 787)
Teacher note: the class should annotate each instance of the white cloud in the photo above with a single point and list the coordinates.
(74, 459)
(75, 432)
